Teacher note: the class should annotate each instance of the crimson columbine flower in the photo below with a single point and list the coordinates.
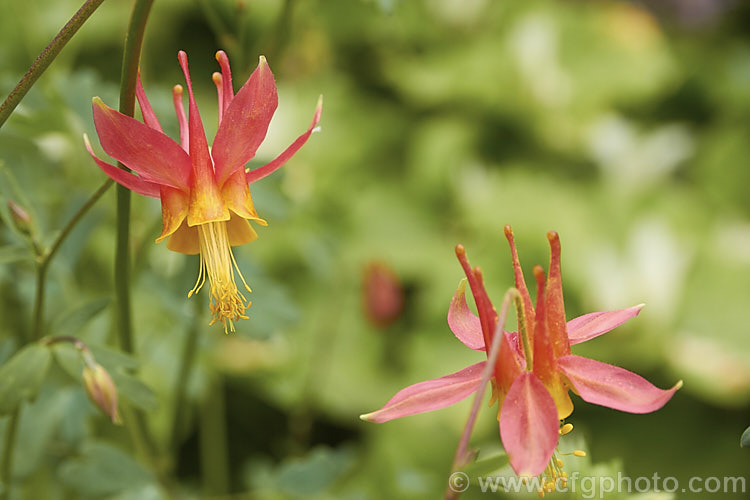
(535, 369)
(205, 199)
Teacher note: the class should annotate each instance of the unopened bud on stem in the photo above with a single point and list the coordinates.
(101, 390)
(21, 218)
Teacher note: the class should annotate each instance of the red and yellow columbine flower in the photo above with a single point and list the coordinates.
(205, 198)
(535, 369)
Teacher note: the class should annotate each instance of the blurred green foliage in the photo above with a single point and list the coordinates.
(621, 125)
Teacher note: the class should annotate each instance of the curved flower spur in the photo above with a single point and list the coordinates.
(535, 369)
(205, 198)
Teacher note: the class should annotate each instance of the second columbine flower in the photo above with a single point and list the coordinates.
(205, 199)
(535, 370)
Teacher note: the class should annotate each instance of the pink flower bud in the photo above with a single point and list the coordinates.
(21, 219)
(382, 295)
(101, 390)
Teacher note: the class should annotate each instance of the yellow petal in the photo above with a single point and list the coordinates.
(174, 209)
(185, 240)
(206, 203)
(240, 231)
(236, 195)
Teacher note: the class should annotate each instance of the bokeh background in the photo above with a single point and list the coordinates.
(624, 126)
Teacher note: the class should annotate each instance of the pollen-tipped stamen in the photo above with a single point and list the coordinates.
(217, 263)
(554, 476)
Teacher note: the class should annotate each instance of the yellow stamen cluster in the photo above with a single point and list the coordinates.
(217, 263)
(553, 476)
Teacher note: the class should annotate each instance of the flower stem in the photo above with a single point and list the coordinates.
(213, 440)
(44, 260)
(462, 455)
(130, 59)
(135, 420)
(46, 57)
(122, 271)
(6, 468)
(183, 375)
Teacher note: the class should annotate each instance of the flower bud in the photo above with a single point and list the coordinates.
(101, 390)
(19, 216)
(382, 295)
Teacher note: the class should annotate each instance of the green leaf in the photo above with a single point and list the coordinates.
(14, 253)
(68, 358)
(22, 375)
(73, 321)
(117, 364)
(103, 470)
(132, 389)
(120, 365)
(39, 424)
(745, 439)
(314, 473)
(7, 348)
(486, 466)
(112, 359)
(148, 492)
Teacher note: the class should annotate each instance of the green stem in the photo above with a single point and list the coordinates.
(6, 468)
(46, 57)
(44, 260)
(43, 263)
(65, 232)
(281, 32)
(130, 60)
(183, 375)
(135, 423)
(37, 329)
(136, 420)
(216, 24)
(213, 441)
(122, 271)
(38, 314)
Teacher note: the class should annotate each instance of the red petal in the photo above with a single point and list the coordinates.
(529, 427)
(279, 161)
(554, 300)
(544, 362)
(226, 80)
(528, 307)
(510, 362)
(612, 386)
(216, 77)
(130, 181)
(430, 395)
(179, 109)
(156, 157)
(487, 313)
(146, 110)
(245, 122)
(206, 204)
(463, 323)
(592, 325)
